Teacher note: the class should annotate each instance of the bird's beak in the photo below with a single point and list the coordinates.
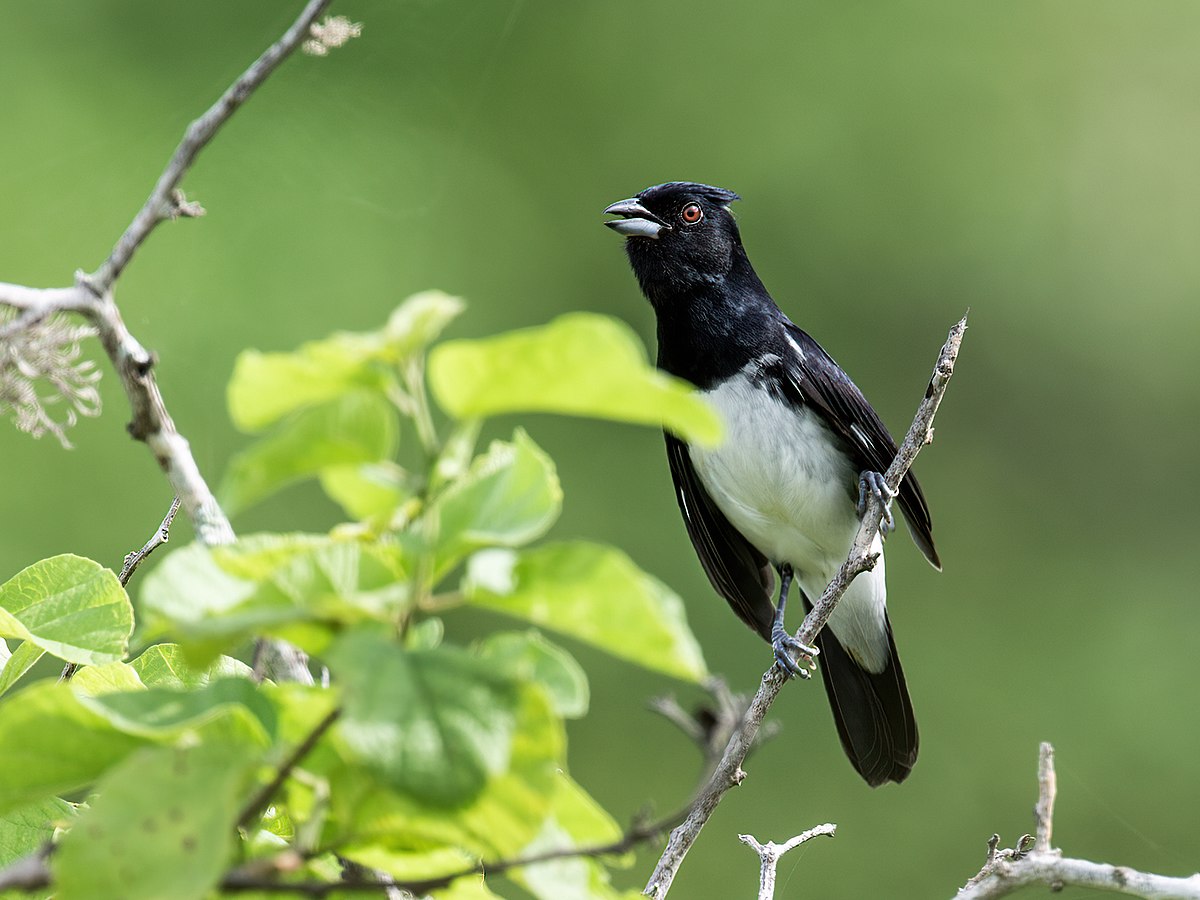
(636, 220)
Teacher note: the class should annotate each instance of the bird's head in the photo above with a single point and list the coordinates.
(680, 235)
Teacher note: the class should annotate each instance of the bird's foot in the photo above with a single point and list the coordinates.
(872, 483)
(797, 659)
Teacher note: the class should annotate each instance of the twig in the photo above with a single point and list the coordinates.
(1035, 861)
(1043, 813)
(729, 772)
(132, 561)
(160, 537)
(260, 801)
(92, 295)
(770, 852)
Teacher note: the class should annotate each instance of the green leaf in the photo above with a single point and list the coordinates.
(509, 496)
(575, 820)
(162, 826)
(45, 727)
(594, 593)
(18, 663)
(164, 665)
(496, 824)
(229, 708)
(528, 656)
(434, 724)
(580, 364)
(23, 831)
(356, 427)
(418, 321)
(69, 606)
(473, 887)
(367, 490)
(112, 678)
(297, 587)
(265, 387)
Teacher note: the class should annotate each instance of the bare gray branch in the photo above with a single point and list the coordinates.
(770, 852)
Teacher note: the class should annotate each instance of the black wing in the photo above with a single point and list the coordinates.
(739, 572)
(821, 383)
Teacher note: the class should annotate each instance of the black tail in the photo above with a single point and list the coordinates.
(873, 712)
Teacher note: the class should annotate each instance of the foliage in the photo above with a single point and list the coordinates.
(443, 754)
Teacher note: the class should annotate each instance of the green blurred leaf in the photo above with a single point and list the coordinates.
(161, 826)
(509, 496)
(161, 713)
(594, 593)
(472, 887)
(360, 426)
(25, 830)
(579, 364)
(17, 663)
(418, 321)
(45, 727)
(267, 386)
(434, 724)
(576, 820)
(367, 490)
(69, 606)
(528, 656)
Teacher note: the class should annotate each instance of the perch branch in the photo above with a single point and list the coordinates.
(770, 852)
(728, 772)
(1035, 861)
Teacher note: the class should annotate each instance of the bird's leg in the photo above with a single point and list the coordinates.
(789, 652)
(872, 483)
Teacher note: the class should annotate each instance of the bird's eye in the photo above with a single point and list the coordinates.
(692, 213)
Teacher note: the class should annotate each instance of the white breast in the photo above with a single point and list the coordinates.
(780, 480)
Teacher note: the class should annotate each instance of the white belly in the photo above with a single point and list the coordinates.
(780, 480)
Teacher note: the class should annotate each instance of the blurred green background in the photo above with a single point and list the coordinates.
(1036, 162)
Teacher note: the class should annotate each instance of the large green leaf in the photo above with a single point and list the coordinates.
(357, 427)
(594, 593)
(27, 829)
(69, 606)
(161, 826)
(265, 387)
(368, 815)
(51, 743)
(509, 496)
(434, 724)
(580, 364)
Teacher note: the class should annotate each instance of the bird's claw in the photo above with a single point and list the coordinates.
(798, 660)
(873, 483)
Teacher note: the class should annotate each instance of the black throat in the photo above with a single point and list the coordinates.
(710, 328)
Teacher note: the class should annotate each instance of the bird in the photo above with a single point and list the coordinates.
(784, 492)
